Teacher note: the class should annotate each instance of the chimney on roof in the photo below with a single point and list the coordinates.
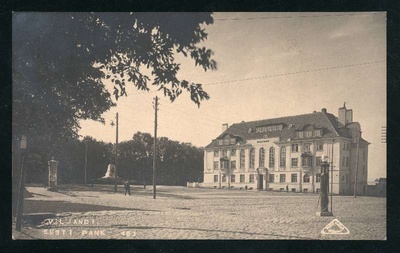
(345, 115)
(224, 127)
(323, 110)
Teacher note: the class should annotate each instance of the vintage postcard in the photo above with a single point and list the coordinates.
(224, 125)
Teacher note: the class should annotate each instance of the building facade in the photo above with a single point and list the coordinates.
(286, 154)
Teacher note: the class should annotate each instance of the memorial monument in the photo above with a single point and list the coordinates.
(110, 171)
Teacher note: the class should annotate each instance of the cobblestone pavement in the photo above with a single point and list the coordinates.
(189, 213)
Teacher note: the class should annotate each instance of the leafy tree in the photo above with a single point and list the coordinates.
(177, 163)
(61, 59)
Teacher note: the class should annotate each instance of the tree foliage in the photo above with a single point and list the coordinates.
(61, 59)
(177, 163)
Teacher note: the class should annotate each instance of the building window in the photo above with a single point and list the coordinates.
(295, 162)
(215, 178)
(282, 178)
(343, 178)
(300, 135)
(347, 178)
(216, 165)
(308, 134)
(272, 157)
(283, 157)
(223, 178)
(233, 178)
(251, 178)
(307, 147)
(306, 161)
(317, 133)
(318, 161)
(252, 158)
(224, 152)
(233, 141)
(364, 154)
(318, 178)
(271, 178)
(294, 178)
(320, 146)
(306, 178)
(224, 164)
(242, 178)
(344, 146)
(233, 164)
(220, 142)
(261, 158)
(216, 153)
(347, 161)
(295, 147)
(233, 152)
(226, 141)
(242, 159)
(343, 161)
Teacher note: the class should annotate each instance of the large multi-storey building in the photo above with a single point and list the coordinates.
(286, 153)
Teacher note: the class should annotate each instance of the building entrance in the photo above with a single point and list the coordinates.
(260, 182)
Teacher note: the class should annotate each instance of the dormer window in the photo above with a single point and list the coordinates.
(318, 133)
(309, 132)
(226, 141)
(233, 141)
(220, 142)
(261, 129)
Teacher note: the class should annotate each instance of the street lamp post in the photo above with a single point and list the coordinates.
(324, 203)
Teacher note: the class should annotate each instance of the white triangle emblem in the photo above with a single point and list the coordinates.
(335, 227)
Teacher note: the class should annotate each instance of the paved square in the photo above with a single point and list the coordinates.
(196, 213)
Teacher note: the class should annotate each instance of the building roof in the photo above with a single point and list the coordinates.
(318, 120)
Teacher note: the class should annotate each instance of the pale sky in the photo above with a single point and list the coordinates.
(337, 58)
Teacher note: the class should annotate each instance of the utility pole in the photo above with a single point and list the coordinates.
(355, 176)
(85, 162)
(116, 156)
(155, 146)
(333, 143)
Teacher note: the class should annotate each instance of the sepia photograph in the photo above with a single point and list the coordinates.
(199, 125)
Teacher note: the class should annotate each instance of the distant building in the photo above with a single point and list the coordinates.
(377, 187)
(285, 153)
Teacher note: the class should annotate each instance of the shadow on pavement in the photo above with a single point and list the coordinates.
(223, 231)
(149, 193)
(50, 206)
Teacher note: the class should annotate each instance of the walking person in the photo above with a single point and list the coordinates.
(127, 187)
(287, 188)
(144, 184)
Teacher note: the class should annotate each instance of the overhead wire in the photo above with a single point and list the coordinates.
(300, 16)
(283, 74)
